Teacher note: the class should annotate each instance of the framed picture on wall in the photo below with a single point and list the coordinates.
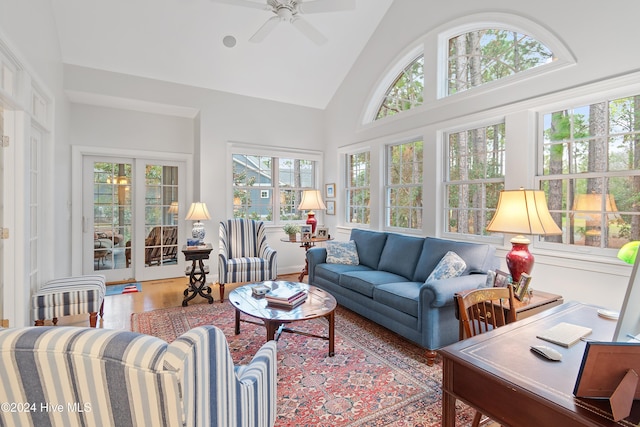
(331, 207)
(329, 191)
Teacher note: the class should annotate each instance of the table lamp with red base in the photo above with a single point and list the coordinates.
(522, 212)
(311, 200)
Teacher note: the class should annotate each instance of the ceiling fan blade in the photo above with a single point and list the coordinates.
(322, 6)
(309, 30)
(266, 28)
(244, 3)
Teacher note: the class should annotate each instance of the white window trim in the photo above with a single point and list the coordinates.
(385, 181)
(494, 238)
(270, 151)
(506, 21)
(388, 77)
(346, 175)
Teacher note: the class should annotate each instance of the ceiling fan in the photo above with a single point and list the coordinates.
(291, 11)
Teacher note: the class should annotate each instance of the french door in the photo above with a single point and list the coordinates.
(131, 222)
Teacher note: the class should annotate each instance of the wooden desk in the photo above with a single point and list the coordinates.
(499, 375)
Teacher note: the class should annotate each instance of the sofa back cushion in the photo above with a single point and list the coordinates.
(400, 254)
(478, 257)
(369, 244)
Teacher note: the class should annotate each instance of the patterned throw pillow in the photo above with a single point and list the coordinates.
(451, 265)
(342, 253)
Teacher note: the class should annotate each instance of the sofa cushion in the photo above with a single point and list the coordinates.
(451, 265)
(332, 272)
(369, 244)
(342, 253)
(402, 296)
(400, 254)
(478, 257)
(364, 282)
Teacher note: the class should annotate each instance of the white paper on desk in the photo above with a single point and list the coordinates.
(565, 334)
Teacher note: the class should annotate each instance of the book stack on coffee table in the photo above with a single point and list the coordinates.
(287, 295)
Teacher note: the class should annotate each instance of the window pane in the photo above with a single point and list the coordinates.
(405, 92)
(358, 190)
(482, 56)
(474, 178)
(596, 150)
(264, 186)
(404, 185)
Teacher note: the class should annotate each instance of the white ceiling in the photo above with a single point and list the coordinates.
(180, 41)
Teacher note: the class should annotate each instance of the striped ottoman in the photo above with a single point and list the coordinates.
(68, 296)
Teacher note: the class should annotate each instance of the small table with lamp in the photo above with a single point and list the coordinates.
(197, 272)
(306, 244)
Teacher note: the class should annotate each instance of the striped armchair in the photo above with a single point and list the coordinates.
(244, 254)
(66, 376)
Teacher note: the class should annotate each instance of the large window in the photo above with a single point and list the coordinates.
(406, 90)
(265, 185)
(482, 56)
(591, 172)
(403, 189)
(474, 178)
(358, 191)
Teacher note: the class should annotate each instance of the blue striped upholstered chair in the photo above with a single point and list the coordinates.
(244, 254)
(69, 296)
(67, 376)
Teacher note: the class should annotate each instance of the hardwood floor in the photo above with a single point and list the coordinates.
(155, 294)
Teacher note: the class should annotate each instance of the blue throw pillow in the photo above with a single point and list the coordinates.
(451, 265)
(342, 253)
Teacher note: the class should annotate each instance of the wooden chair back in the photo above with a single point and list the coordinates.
(481, 310)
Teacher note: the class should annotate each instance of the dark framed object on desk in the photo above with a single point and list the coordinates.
(609, 370)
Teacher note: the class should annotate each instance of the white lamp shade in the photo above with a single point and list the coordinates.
(173, 208)
(311, 199)
(523, 212)
(198, 211)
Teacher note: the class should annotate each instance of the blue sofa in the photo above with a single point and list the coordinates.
(389, 285)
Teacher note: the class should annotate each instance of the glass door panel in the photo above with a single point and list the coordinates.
(161, 215)
(111, 224)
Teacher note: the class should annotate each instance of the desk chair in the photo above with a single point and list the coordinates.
(481, 310)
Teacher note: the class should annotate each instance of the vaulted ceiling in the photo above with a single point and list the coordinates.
(183, 41)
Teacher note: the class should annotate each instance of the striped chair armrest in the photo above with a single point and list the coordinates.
(202, 360)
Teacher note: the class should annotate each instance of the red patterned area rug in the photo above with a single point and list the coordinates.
(375, 378)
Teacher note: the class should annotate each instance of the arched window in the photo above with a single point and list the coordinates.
(406, 90)
(481, 56)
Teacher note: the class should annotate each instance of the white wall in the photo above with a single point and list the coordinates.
(28, 30)
(602, 42)
(219, 119)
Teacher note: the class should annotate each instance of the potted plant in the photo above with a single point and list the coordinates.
(291, 230)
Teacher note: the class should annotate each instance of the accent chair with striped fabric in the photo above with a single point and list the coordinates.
(68, 376)
(244, 254)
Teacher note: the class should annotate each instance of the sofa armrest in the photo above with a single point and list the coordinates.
(315, 256)
(439, 293)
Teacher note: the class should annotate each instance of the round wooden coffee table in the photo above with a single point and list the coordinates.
(319, 303)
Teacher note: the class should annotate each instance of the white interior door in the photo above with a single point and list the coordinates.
(160, 210)
(107, 217)
(2, 222)
(132, 218)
